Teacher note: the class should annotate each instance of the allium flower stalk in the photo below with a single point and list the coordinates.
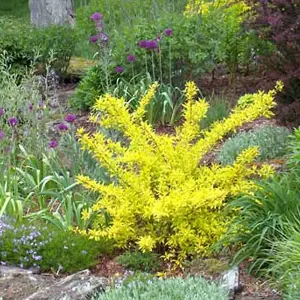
(119, 69)
(94, 39)
(96, 16)
(70, 118)
(62, 126)
(130, 58)
(12, 121)
(53, 144)
(169, 31)
(148, 44)
(30, 106)
(2, 135)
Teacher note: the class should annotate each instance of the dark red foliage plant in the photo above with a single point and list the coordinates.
(278, 21)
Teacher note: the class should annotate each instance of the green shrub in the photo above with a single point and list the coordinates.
(271, 141)
(43, 246)
(147, 262)
(167, 289)
(27, 44)
(90, 87)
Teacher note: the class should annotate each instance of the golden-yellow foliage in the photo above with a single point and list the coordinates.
(164, 199)
(205, 6)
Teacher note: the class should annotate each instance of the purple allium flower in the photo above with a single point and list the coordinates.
(119, 69)
(30, 106)
(70, 118)
(96, 16)
(168, 31)
(13, 121)
(62, 126)
(152, 44)
(53, 144)
(94, 39)
(144, 44)
(130, 58)
(2, 135)
(1, 111)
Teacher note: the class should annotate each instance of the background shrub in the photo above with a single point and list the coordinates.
(271, 141)
(28, 45)
(277, 21)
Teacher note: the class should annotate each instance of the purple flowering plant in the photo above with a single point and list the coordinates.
(46, 247)
(70, 118)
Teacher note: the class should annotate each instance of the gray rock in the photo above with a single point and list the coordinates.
(78, 286)
(231, 281)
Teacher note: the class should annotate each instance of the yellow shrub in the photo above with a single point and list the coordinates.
(164, 199)
(205, 6)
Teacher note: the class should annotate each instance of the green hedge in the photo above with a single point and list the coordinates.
(26, 44)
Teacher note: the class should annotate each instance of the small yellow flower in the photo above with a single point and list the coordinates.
(80, 131)
(85, 214)
(279, 86)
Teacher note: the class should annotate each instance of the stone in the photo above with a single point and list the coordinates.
(17, 283)
(78, 286)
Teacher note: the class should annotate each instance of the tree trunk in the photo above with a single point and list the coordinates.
(51, 12)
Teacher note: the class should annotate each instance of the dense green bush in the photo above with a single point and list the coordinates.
(271, 141)
(168, 289)
(29, 45)
(43, 246)
(147, 262)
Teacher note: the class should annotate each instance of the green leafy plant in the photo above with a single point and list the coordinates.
(218, 110)
(147, 261)
(164, 109)
(167, 289)
(271, 141)
(261, 219)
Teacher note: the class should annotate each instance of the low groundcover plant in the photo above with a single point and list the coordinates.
(167, 289)
(162, 199)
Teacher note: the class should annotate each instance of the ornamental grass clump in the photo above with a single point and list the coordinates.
(161, 198)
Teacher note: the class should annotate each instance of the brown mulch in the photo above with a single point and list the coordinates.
(108, 267)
